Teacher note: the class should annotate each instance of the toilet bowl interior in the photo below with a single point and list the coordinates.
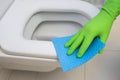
(47, 25)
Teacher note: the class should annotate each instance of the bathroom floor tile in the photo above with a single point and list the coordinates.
(113, 42)
(23, 75)
(104, 67)
(76, 74)
(5, 74)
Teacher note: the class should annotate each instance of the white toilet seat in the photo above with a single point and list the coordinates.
(13, 23)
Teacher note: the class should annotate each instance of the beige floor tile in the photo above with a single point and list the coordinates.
(104, 67)
(5, 74)
(113, 42)
(23, 75)
(76, 74)
(57, 74)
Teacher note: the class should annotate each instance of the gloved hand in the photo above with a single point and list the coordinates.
(99, 26)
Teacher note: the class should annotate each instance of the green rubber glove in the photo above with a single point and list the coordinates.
(99, 26)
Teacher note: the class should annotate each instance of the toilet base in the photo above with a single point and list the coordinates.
(28, 63)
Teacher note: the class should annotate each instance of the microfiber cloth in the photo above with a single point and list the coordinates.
(70, 62)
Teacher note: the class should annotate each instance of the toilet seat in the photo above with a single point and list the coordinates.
(13, 24)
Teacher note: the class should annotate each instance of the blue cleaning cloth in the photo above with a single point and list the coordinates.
(71, 62)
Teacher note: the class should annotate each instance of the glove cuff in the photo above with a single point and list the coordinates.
(112, 8)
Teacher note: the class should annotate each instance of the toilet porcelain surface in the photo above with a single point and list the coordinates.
(12, 25)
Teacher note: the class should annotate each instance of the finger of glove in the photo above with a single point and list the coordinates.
(75, 45)
(84, 46)
(69, 43)
(101, 51)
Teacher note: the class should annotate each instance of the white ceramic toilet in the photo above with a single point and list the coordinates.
(28, 26)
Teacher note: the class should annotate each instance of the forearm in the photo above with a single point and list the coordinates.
(112, 7)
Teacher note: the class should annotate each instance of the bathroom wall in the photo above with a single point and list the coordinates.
(97, 3)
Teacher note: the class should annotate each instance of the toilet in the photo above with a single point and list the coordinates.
(28, 26)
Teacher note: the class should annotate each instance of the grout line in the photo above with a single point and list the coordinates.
(85, 72)
(36, 77)
(5, 74)
(10, 74)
